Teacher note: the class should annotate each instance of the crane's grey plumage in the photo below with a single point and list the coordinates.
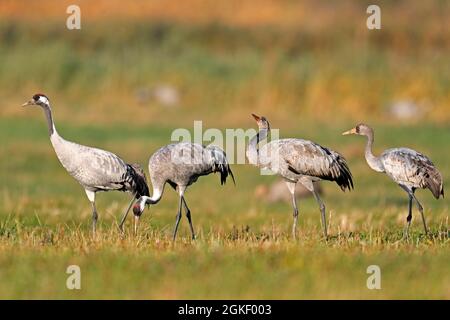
(298, 160)
(180, 165)
(95, 169)
(410, 169)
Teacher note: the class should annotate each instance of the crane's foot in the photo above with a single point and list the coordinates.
(406, 230)
(325, 230)
(294, 233)
(94, 228)
(426, 229)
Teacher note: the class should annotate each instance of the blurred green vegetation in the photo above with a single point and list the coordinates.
(223, 72)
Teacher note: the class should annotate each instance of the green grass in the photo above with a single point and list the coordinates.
(311, 80)
(244, 248)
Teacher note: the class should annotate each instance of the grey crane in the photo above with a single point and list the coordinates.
(180, 165)
(408, 168)
(298, 160)
(95, 169)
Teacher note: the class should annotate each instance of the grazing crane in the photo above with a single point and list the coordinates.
(95, 169)
(180, 165)
(408, 168)
(298, 160)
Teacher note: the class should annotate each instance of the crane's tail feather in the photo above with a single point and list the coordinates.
(220, 164)
(344, 178)
(434, 183)
(338, 171)
(138, 180)
(231, 174)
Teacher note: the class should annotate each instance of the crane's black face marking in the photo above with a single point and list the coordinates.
(264, 123)
(363, 129)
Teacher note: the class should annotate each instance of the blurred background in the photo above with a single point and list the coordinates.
(139, 69)
(169, 62)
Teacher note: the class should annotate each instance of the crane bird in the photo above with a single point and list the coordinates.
(408, 168)
(95, 169)
(180, 165)
(298, 160)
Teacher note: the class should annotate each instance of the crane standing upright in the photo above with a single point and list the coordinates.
(95, 169)
(298, 160)
(410, 169)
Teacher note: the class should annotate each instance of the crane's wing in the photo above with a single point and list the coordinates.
(184, 162)
(411, 168)
(305, 157)
(99, 169)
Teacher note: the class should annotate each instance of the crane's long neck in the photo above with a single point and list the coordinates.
(253, 149)
(373, 161)
(156, 196)
(50, 123)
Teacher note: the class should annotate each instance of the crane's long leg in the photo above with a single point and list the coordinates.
(309, 185)
(91, 197)
(180, 203)
(421, 213)
(419, 206)
(177, 222)
(322, 212)
(408, 218)
(124, 217)
(188, 216)
(291, 187)
(94, 218)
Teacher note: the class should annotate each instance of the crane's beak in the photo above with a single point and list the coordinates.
(256, 117)
(352, 131)
(29, 103)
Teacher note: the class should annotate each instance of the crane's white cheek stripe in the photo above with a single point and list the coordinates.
(43, 99)
(142, 204)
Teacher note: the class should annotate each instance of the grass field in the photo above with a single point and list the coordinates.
(244, 247)
(312, 80)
